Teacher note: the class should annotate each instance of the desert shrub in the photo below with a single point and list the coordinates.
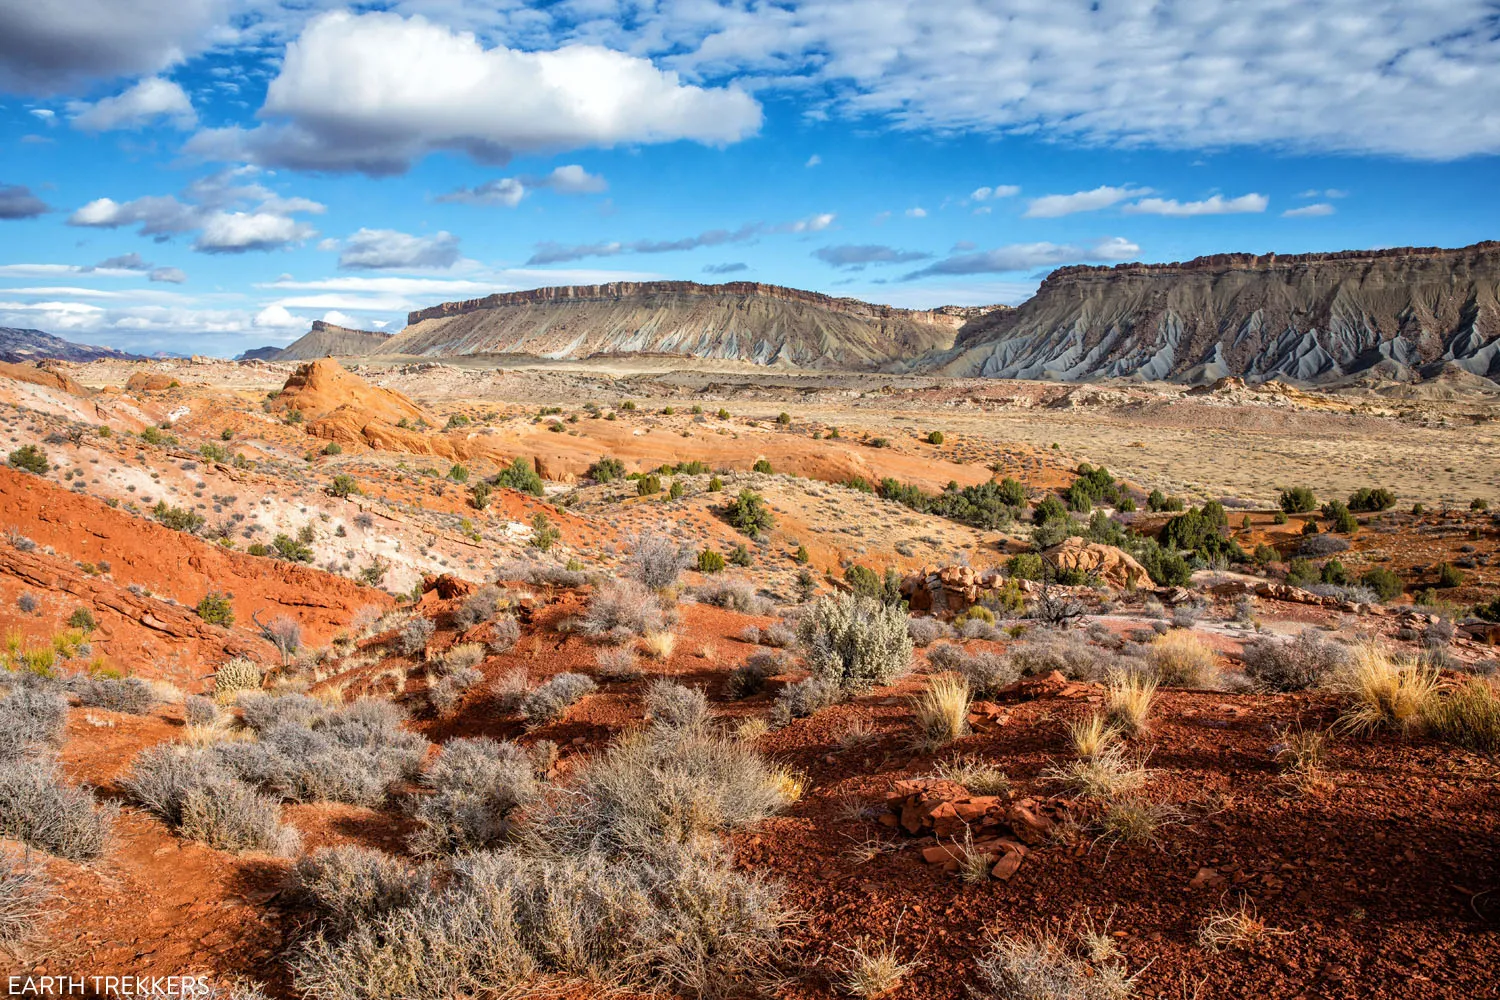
(762, 466)
(1468, 716)
(520, 475)
(461, 656)
(606, 470)
(551, 701)
(710, 561)
(216, 609)
(865, 582)
(1344, 522)
(348, 884)
(749, 513)
(661, 785)
(31, 722)
(1182, 659)
(1293, 664)
(177, 518)
(798, 701)
(1449, 576)
(1069, 653)
(616, 663)
(291, 549)
(29, 458)
(1301, 573)
(200, 711)
(735, 595)
(1317, 546)
(343, 486)
(1026, 566)
(935, 437)
(672, 922)
(1203, 531)
(234, 676)
(648, 485)
(1165, 566)
(232, 816)
(675, 706)
(623, 607)
(476, 785)
(855, 642)
(480, 606)
(82, 619)
(42, 811)
(504, 633)
(1297, 500)
(130, 695)
(1386, 584)
(985, 673)
(1366, 499)
(25, 898)
(414, 636)
(447, 691)
(749, 678)
(656, 561)
(925, 631)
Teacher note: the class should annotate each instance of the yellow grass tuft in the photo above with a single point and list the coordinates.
(1092, 736)
(1181, 658)
(659, 645)
(1388, 692)
(942, 710)
(1128, 700)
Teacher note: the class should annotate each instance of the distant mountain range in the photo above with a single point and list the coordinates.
(322, 340)
(18, 345)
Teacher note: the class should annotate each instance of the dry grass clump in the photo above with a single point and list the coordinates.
(25, 895)
(873, 970)
(1387, 692)
(976, 774)
(616, 663)
(1128, 699)
(1300, 752)
(504, 633)
(461, 656)
(1294, 664)
(942, 711)
(476, 785)
(1135, 819)
(511, 687)
(1108, 776)
(1467, 715)
(1239, 926)
(622, 609)
(675, 706)
(1041, 966)
(986, 673)
(551, 700)
(1183, 659)
(1092, 736)
(659, 645)
(200, 711)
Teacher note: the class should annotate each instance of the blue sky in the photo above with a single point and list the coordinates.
(212, 175)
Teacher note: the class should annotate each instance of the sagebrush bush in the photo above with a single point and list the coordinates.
(1306, 661)
(925, 631)
(480, 606)
(750, 677)
(348, 885)
(414, 636)
(476, 784)
(616, 663)
(504, 633)
(1070, 653)
(623, 607)
(41, 810)
(736, 595)
(855, 642)
(985, 673)
(130, 695)
(25, 897)
(551, 701)
(200, 711)
(234, 676)
(447, 691)
(32, 720)
(798, 701)
(1183, 659)
(657, 561)
(675, 706)
(195, 794)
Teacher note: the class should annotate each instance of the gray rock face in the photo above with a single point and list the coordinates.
(325, 339)
(34, 345)
(1312, 318)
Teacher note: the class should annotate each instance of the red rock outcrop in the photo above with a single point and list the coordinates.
(1115, 567)
(36, 374)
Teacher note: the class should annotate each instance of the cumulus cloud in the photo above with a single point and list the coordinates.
(1028, 256)
(998, 191)
(508, 191)
(17, 202)
(125, 262)
(268, 225)
(277, 317)
(388, 250)
(1054, 206)
(731, 268)
(148, 101)
(171, 275)
(1309, 211)
(48, 47)
(855, 257)
(1216, 205)
(375, 92)
(1410, 79)
(548, 252)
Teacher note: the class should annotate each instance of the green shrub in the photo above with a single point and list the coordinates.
(740, 555)
(1449, 576)
(1298, 500)
(715, 485)
(676, 490)
(1026, 566)
(802, 556)
(1279, 517)
(1301, 573)
(783, 418)
(520, 475)
(749, 513)
(1366, 499)
(648, 485)
(177, 518)
(854, 641)
(1165, 566)
(936, 437)
(710, 561)
(458, 473)
(761, 465)
(1204, 532)
(1344, 521)
(1479, 503)
(343, 486)
(288, 548)
(885, 588)
(479, 495)
(1333, 572)
(214, 452)
(544, 535)
(29, 458)
(1157, 501)
(333, 448)
(216, 609)
(1386, 584)
(606, 470)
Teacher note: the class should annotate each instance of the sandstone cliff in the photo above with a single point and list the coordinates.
(1400, 314)
(325, 340)
(739, 321)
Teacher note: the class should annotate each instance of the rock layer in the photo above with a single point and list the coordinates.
(1402, 314)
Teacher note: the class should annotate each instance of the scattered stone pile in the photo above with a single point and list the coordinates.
(1000, 830)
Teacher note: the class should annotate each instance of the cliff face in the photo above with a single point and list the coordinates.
(325, 339)
(34, 345)
(1403, 313)
(743, 321)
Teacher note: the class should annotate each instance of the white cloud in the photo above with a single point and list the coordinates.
(1053, 206)
(508, 191)
(172, 275)
(276, 317)
(17, 202)
(375, 92)
(237, 232)
(549, 252)
(1406, 78)
(813, 160)
(46, 47)
(998, 191)
(916, 213)
(1308, 211)
(1330, 193)
(149, 100)
(157, 215)
(1216, 205)
(340, 319)
(387, 249)
(1029, 256)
